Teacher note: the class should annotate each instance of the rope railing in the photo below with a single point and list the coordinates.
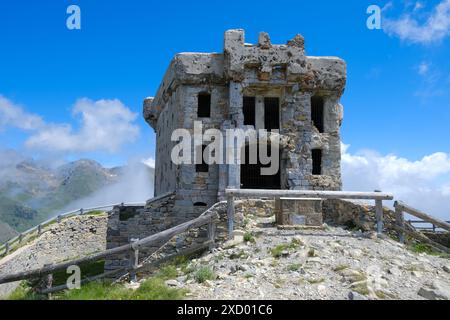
(7, 246)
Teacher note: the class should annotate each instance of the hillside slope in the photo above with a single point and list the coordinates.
(6, 232)
(317, 264)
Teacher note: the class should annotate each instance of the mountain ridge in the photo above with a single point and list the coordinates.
(31, 192)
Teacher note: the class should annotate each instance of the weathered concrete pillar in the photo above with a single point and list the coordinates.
(223, 168)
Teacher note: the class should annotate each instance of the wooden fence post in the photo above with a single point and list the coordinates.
(7, 248)
(134, 261)
(58, 218)
(20, 237)
(211, 233)
(47, 281)
(379, 214)
(400, 222)
(39, 230)
(230, 215)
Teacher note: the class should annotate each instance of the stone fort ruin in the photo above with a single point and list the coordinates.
(263, 86)
(260, 86)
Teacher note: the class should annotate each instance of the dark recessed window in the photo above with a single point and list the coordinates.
(204, 105)
(271, 113)
(316, 162)
(203, 166)
(249, 111)
(200, 204)
(317, 112)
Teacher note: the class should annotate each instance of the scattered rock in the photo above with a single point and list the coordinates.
(436, 291)
(352, 295)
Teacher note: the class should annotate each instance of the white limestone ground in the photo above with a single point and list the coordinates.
(319, 264)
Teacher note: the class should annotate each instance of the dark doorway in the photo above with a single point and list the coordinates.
(251, 177)
(271, 113)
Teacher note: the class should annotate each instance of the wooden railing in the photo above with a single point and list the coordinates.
(207, 218)
(404, 228)
(378, 196)
(417, 224)
(8, 245)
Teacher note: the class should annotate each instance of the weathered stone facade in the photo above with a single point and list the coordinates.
(258, 71)
(281, 77)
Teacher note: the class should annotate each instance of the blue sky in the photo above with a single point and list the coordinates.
(396, 100)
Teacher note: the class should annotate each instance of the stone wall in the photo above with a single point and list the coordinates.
(72, 238)
(439, 237)
(355, 214)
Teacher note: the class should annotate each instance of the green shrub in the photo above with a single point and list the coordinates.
(294, 267)
(248, 237)
(203, 274)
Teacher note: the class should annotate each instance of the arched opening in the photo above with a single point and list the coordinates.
(200, 204)
(251, 176)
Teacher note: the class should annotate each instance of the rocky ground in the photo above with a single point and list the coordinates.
(331, 263)
(71, 238)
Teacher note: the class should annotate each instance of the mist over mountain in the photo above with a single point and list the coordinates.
(34, 190)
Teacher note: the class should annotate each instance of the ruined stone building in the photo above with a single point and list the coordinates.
(261, 85)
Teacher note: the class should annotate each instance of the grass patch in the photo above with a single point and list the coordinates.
(427, 249)
(277, 251)
(315, 281)
(87, 270)
(95, 213)
(311, 253)
(167, 272)
(151, 289)
(248, 237)
(24, 292)
(294, 267)
(361, 288)
(203, 274)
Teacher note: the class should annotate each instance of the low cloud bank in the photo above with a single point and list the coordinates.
(424, 184)
(135, 185)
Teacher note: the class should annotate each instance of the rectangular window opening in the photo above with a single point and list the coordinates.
(317, 112)
(249, 111)
(271, 113)
(317, 162)
(204, 105)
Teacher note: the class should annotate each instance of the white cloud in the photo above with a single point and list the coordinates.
(150, 162)
(423, 68)
(104, 125)
(12, 115)
(423, 183)
(408, 27)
